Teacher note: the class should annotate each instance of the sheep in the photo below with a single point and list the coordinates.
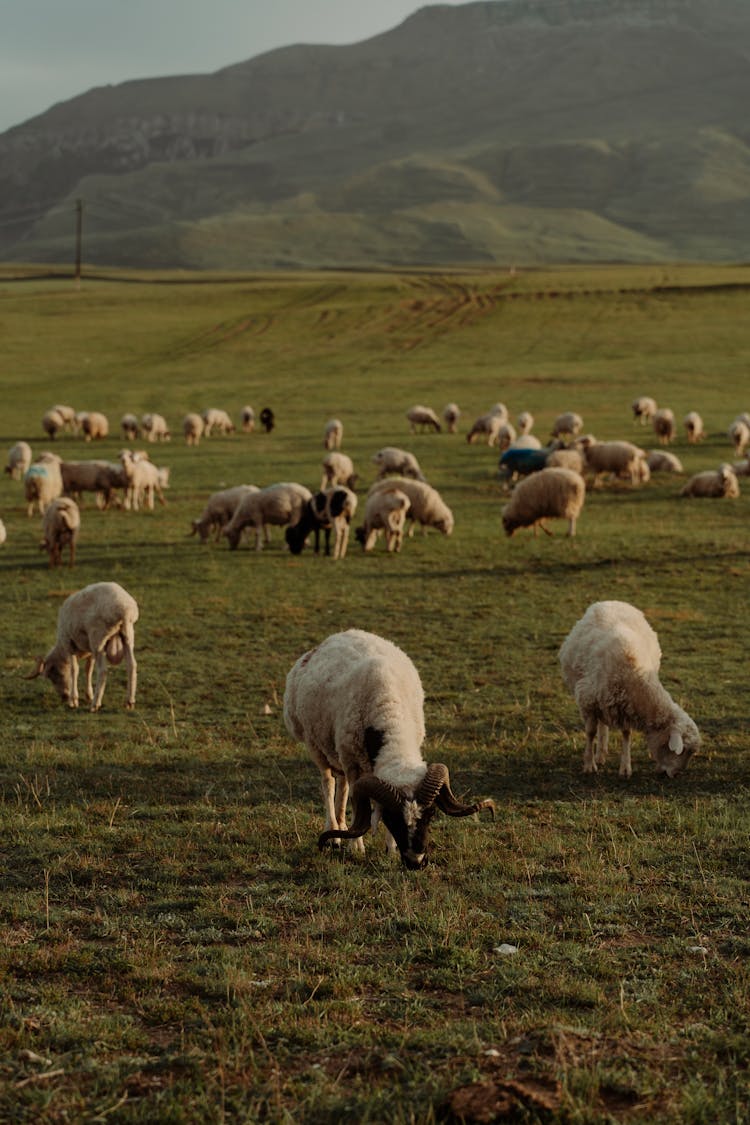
(338, 469)
(247, 419)
(385, 510)
(130, 427)
(219, 509)
(96, 624)
(42, 482)
(192, 428)
(548, 494)
(78, 421)
(216, 420)
(742, 468)
(529, 441)
(95, 426)
(505, 436)
(568, 425)
(333, 434)
(525, 422)
(61, 523)
(390, 459)
(267, 419)
(739, 434)
(713, 483)
(155, 427)
(693, 424)
(52, 423)
(328, 511)
(423, 417)
(143, 480)
(619, 458)
(643, 409)
(662, 461)
(19, 459)
(520, 461)
(68, 415)
(451, 414)
(664, 425)
(101, 477)
(279, 504)
(426, 505)
(610, 665)
(356, 701)
(487, 425)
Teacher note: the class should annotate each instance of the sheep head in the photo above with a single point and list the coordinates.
(58, 672)
(672, 747)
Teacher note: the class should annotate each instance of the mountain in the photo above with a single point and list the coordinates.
(492, 132)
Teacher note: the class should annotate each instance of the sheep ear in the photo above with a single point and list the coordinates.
(675, 742)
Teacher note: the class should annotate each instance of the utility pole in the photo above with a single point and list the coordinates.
(79, 233)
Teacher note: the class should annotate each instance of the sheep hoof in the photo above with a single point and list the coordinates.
(626, 771)
(130, 705)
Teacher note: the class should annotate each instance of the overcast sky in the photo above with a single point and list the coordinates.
(51, 50)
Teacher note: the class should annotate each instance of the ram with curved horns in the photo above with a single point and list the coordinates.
(357, 703)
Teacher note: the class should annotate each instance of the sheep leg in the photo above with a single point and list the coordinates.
(73, 681)
(259, 537)
(602, 743)
(626, 768)
(572, 526)
(132, 667)
(544, 528)
(101, 678)
(589, 764)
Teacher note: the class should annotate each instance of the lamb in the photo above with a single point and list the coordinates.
(328, 511)
(644, 409)
(192, 428)
(385, 510)
(247, 419)
(568, 425)
(95, 426)
(143, 480)
(219, 509)
(488, 425)
(713, 483)
(216, 420)
(610, 664)
(423, 417)
(391, 460)
(739, 435)
(97, 624)
(267, 419)
(356, 701)
(155, 427)
(619, 458)
(61, 523)
(664, 425)
(662, 461)
(451, 414)
(338, 469)
(279, 504)
(19, 459)
(52, 423)
(693, 424)
(68, 415)
(130, 427)
(525, 422)
(426, 505)
(548, 494)
(333, 434)
(42, 482)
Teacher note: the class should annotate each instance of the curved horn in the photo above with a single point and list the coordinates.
(38, 669)
(444, 798)
(433, 781)
(364, 790)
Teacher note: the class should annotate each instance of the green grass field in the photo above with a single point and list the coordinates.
(173, 947)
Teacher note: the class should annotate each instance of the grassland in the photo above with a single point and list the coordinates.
(172, 946)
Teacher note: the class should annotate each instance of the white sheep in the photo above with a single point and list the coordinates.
(247, 419)
(52, 423)
(130, 427)
(356, 702)
(96, 624)
(192, 428)
(487, 425)
(144, 479)
(95, 426)
(279, 504)
(426, 505)
(390, 459)
(385, 510)
(739, 434)
(329, 511)
(219, 509)
(214, 419)
(333, 434)
(451, 415)
(610, 664)
(42, 482)
(662, 461)
(547, 494)
(567, 425)
(155, 427)
(664, 425)
(525, 422)
(693, 424)
(616, 458)
(338, 469)
(505, 436)
(61, 524)
(421, 418)
(68, 415)
(713, 484)
(526, 441)
(19, 459)
(644, 408)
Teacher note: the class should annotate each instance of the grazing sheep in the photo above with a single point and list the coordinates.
(96, 624)
(567, 425)
(68, 415)
(713, 483)
(61, 523)
(644, 409)
(739, 434)
(664, 425)
(505, 436)
(216, 420)
(521, 461)
(101, 477)
(338, 469)
(333, 434)
(327, 511)
(426, 505)
(525, 422)
(488, 425)
(421, 418)
(451, 414)
(662, 461)
(144, 480)
(693, 424)
(615, 458)
(610, 664)
(42, 482)
(219, 509)
(95, 426)
(192, 428)
(357, 703)
(548, 494)
(267, 419)
(78, 421)
(385, 510)
(19, 459)
(52, 423)
(280, 504)
(247, 419)
(155, 427)
(130, 427)
(391, 460)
